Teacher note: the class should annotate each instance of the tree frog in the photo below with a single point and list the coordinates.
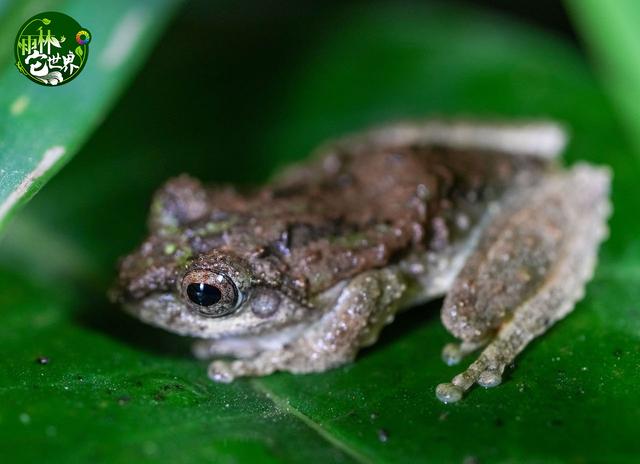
(299, 274)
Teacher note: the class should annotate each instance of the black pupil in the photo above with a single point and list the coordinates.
(203, 294)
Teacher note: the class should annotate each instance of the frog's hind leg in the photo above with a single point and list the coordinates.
(530, 268)
(543, 139)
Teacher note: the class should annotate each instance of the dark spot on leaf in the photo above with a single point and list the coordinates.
(618, 353)
(499, 422)
(124, 399)
(556, 422)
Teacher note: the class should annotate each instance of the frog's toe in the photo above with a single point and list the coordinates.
(452, 392)
(220, 372)
(448, 393)
(451, 354)
(485, 371)
(489, 378)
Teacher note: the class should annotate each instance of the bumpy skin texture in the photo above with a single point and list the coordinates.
(323, 223)
(309, 268)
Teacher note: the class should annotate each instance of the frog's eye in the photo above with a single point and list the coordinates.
(212, 294)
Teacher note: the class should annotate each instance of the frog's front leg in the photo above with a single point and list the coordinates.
(528, 271)
(364, 306)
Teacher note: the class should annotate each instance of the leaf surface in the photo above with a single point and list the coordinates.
(115, 390)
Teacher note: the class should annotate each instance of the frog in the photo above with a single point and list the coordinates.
(300, 274)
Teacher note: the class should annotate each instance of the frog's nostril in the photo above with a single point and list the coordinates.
(203, 294)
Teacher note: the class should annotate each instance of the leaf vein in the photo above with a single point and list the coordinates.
(284, 405)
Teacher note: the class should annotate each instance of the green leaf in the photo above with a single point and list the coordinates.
(79, 51)
(46, 21)
(115, 390)
(611, 31)
(42, 128)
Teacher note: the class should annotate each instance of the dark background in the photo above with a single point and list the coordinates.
(249, 51)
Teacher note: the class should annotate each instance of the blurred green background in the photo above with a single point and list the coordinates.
(232, 91)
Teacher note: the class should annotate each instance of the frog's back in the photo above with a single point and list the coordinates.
(368, 209)
(365, 202)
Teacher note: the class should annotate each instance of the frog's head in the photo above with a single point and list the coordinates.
(213, 295)
(212, 292)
